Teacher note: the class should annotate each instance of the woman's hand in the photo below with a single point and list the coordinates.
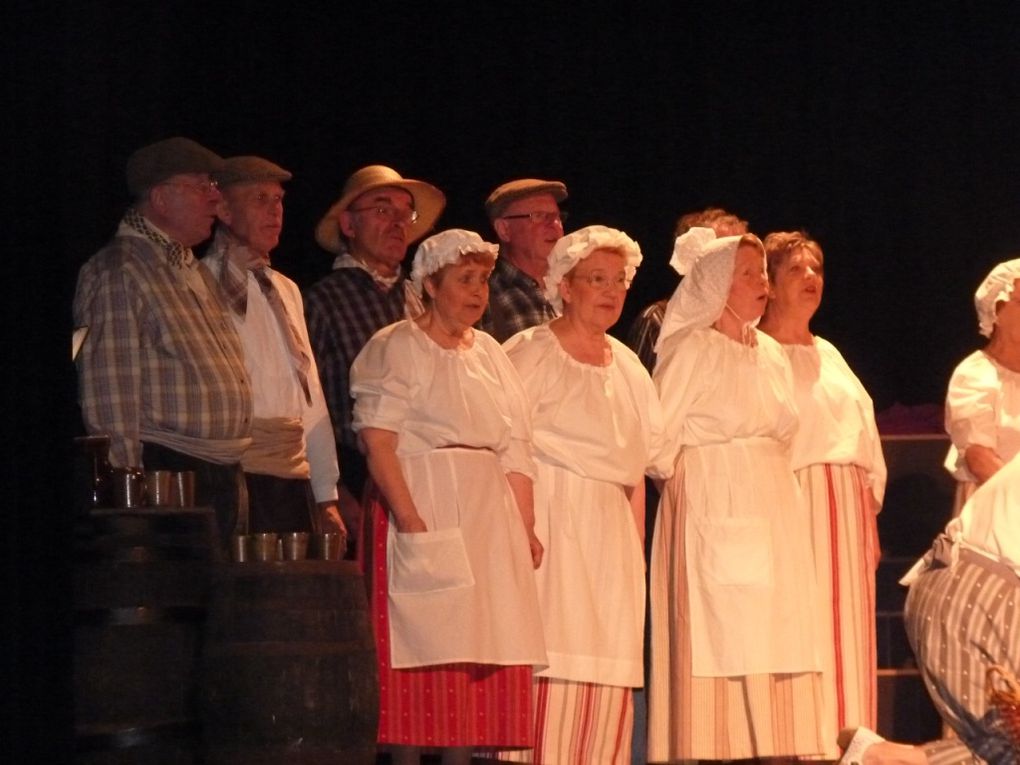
(537, 550)
(410, 525)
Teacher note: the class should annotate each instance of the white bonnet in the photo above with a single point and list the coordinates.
(996, 288)
(578, 245)
(706, 263)
(444, 249)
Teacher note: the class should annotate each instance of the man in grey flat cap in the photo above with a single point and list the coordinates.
(161, 368)
(378, 216)
(290, 469)
(526, 216)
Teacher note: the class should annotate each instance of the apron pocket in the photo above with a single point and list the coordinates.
(734, 551)
(430, 561)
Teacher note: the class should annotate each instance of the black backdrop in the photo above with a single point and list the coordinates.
(886, 130)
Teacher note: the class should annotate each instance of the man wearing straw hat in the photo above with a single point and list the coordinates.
(290, 469)
(379, 214)
(161, 369)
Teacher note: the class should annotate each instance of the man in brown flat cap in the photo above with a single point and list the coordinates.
(379, 214)
(290, 469)
(526, 216)
(161, 369)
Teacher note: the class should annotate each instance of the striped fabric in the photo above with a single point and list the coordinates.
(463, 704)
(843, 534)
(715, 718)
(579, 724)
(960, 620)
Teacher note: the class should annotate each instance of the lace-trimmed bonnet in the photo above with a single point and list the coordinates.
(706, 263)
(569, 250)
(996, 288)
(444, 249)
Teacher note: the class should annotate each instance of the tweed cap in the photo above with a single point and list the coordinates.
(153, 164)
(428, 202)
(250, 169)
(511, 191)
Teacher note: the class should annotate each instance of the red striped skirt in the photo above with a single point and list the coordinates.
(462, 704)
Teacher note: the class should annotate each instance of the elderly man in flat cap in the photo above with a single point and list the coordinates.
(290, 469)
(526, 217)
(379, 214)
(161, 368)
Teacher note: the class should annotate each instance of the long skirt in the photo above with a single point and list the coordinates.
(714, 718)
(462, 704)
(579, 724)
(843, 534)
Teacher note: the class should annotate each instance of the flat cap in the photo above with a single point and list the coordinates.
(511, 191)
(158, 161)
(250, 170)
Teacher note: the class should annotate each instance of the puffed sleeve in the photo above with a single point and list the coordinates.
(974, 391)
(381, 382)
(677, 384)
(518, 457)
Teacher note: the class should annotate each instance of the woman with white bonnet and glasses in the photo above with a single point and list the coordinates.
(597, 430)
(837, 457)
(983, 402)
(735, 671)
(442, 418)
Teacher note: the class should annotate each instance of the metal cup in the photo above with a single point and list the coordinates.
(266, 546)
(241, 548)
(157, 488)
(295, 545)
(128, 488)
(329, 546)
(182, 488)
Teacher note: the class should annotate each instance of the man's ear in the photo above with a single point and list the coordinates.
(502, 229)
(346, 224)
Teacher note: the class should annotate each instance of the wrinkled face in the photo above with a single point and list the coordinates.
(594, 290)
(525, 239)
(376, 226)
(1007, 315)
(254, 213)
(460, 292)
(799, 282)
(749, 290)
(185, 206)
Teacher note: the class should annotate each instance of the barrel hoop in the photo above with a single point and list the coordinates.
(136, 615)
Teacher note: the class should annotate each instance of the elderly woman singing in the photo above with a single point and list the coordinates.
(735, 671)
(443, 420)
(597, 430)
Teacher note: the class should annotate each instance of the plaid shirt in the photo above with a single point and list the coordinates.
(516, 302)
(644, 333)
(161, 362)
(344, 310)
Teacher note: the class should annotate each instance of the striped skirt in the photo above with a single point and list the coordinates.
(579, 724)
(843, 534)
(462, 704)
(714, 718)
(961, 620)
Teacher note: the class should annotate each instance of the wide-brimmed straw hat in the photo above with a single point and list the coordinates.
(428, 202)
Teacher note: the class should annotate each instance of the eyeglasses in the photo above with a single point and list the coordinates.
(598, 280)
(202, 187)
(540, 216)
(390, 213)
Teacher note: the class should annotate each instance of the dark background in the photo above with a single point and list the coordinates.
(886, 130)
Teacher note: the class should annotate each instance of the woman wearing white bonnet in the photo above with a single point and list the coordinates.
(983, 400)
(597, 431)
(441, 416)
(734, 671)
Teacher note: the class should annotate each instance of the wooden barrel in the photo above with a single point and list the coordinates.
(289, 669)
(141, 586)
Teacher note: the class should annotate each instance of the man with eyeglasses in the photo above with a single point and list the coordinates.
(161, 368)
(290, 469)
(526, 216)
(379, 214)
